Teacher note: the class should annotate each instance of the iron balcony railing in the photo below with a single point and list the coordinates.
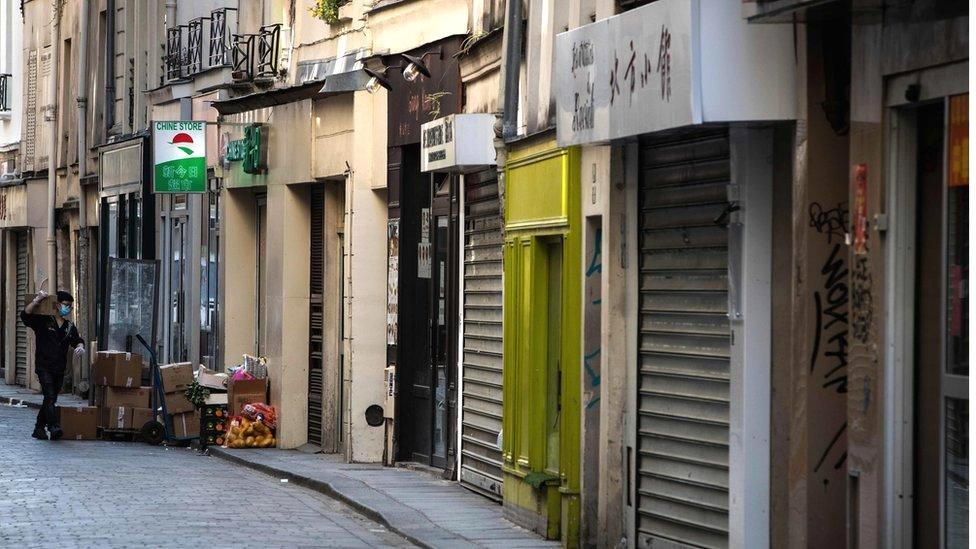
(185, 45)
(256, 55)
(219, 54)
(6, 80)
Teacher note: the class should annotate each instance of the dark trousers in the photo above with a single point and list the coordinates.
(50, 387)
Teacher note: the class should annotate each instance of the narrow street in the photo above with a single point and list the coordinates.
(101, 494)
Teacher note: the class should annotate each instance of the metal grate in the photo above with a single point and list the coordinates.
(683, 354)
(316, 317)
(20, 353)
(481, 414)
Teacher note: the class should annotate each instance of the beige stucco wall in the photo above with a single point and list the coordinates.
(365, 280)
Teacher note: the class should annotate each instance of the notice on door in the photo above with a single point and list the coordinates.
(179, 156)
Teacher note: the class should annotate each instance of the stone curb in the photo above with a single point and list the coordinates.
(427, 535)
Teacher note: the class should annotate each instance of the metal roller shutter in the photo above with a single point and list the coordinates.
(481, 414)
(20, 357)
(683, 369)
(316, 325)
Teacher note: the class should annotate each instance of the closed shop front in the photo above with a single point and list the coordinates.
(683, 363)
(21, 246)
(481, 409)
(691, 162)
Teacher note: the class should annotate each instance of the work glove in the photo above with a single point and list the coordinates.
(41, 296)
(80, 352)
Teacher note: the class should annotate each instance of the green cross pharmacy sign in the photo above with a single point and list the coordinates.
(179, 156)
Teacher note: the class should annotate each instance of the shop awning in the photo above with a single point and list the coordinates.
(316, 79)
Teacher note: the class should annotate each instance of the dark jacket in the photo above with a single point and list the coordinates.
(53, 342)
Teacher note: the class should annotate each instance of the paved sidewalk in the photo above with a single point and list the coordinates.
(428, 511)
(16, 395)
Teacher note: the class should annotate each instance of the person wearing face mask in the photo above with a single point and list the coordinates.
(54, 336)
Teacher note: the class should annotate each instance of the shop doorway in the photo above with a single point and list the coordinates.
(261, 283)
(427, 350)
(176, 289)
(941, 327)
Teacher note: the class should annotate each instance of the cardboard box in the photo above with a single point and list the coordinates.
(176, 403)
(47, 307)
(176, 377)
(117, 369)
(211, 379)
(244, 392)
(116, 417)
(186, 425)
(216, 398)
(141, 416)
(79, 422)
(119, 396)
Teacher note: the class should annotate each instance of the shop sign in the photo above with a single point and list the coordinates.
(251, 151)
(179, 156)
(625, 75)
(457, 142)
(669, 64)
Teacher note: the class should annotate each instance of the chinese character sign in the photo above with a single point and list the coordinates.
(625, 75)
(179, 157)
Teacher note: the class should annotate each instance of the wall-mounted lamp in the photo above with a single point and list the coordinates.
(377, 80)
(416, 66)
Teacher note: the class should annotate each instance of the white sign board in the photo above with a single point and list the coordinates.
(670, 64)
(457, 142)
(626, 75)
(179, 156)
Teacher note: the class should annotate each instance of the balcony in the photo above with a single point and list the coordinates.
(185, 44)
(255, 56)
(6, 82)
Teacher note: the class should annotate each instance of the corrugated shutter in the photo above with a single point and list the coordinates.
(20, 356)
(315, 321)
(481, 414)
(683, 369)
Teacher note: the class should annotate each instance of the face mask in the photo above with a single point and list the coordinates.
(64, 309)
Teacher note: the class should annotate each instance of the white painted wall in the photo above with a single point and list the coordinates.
(11, 61)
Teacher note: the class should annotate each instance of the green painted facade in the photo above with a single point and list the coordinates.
(542, 315)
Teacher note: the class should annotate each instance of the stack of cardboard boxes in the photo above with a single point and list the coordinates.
(176, 378)
(121, 400)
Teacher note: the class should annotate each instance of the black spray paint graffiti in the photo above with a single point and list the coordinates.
(831, 322)
(828, 359)
(831, 222)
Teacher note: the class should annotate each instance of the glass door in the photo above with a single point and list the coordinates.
(177, 351)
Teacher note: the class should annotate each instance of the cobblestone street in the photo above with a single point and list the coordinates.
(118, 494)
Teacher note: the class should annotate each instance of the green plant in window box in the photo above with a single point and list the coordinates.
(328, 10)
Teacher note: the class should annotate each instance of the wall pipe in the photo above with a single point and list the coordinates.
(84, 286)
(52, 156)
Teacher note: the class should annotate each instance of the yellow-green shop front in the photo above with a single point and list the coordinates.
(541, 425)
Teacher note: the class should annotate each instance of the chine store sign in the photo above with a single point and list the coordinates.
(626, 75)
(179, 156)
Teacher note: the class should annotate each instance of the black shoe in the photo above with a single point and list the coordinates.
(56, 432)
(39, 433)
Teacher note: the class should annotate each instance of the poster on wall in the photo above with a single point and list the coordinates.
(423, 248)
(860, 209)
(393, 273)
(179, 156)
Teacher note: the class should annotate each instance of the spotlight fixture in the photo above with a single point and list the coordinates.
(376, 81)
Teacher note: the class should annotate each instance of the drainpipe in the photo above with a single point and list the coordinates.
(170, 14)
(506, 122)
(83, 267)
(52, 177)
(510, 69)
